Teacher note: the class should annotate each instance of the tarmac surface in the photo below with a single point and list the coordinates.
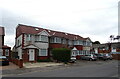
(110, 67)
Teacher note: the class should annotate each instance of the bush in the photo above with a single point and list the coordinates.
(44, 60)
(61, 54)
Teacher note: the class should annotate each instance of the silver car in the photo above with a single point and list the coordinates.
(89, 57)
(108, 56)
(72, 59)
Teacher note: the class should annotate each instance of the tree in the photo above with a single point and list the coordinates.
(96, 42)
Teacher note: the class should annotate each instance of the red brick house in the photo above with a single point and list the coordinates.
(34, 43)
(4, 49)
(2, 34)
(107, 47)
(113, 48)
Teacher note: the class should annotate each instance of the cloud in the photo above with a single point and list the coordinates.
(96, 19)
(10, 22)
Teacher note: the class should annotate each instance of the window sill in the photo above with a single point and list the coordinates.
(42, 41)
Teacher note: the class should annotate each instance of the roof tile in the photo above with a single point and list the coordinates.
(35, 30)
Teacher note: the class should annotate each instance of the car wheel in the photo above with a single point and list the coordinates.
(104, 59)
(90, 59)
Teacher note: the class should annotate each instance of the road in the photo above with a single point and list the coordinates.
(95, 70)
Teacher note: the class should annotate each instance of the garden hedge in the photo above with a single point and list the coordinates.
(61, 54)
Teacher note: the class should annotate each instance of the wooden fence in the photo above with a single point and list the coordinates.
(116, 56)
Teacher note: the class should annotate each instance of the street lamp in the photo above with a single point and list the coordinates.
(117, 37)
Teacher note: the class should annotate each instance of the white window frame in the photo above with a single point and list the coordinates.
(43, 38)
(52, 40)
(37, 38)
(80, 42)
(57, 40)
(70, 42)
(28, 37)
(7, 52)
(40, 52)
(64, 41)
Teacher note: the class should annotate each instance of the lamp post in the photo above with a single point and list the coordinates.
(117, 38)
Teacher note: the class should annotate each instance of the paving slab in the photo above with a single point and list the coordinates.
(41, 64)
(11, 66)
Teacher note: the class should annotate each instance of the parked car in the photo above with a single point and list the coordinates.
(72, 59)
(89, 57)
(108, 56)
(101, 56)
(4, 60)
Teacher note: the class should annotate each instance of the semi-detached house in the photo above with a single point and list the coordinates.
(4, 49)
(35, 43)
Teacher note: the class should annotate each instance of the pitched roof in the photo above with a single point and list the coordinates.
(2, 31)
(35, 30)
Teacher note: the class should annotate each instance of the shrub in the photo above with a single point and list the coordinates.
(61, 54)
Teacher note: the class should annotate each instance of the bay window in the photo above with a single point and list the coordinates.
(44, 38)
(43, 52)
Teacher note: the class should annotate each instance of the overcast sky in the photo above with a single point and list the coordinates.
(97, 19)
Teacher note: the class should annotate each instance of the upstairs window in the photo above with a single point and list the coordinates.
(44, 38)
(64, 41)
(76, 42)
(29, 37)
(52, 40)
(57, 40)
(18, 42)
(84, 43)
(7, 52)
(37, 38)
(70, 42)
(80, 42)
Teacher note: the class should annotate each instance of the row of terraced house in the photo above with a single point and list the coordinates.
(34, 43)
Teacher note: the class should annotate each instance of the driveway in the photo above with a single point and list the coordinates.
(11, 66)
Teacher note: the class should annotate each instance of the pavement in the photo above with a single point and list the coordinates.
(30, 67)
(11, 66)
(41, 64)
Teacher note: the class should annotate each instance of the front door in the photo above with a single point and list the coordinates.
(31, 54)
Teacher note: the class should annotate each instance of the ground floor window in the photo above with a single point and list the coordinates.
(74, 52)
(7, 52)
(43, 52)
(80, 52)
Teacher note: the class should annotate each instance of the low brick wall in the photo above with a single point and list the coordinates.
(116, 56)
(18, 62)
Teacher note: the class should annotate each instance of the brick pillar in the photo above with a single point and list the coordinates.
(20, 63)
